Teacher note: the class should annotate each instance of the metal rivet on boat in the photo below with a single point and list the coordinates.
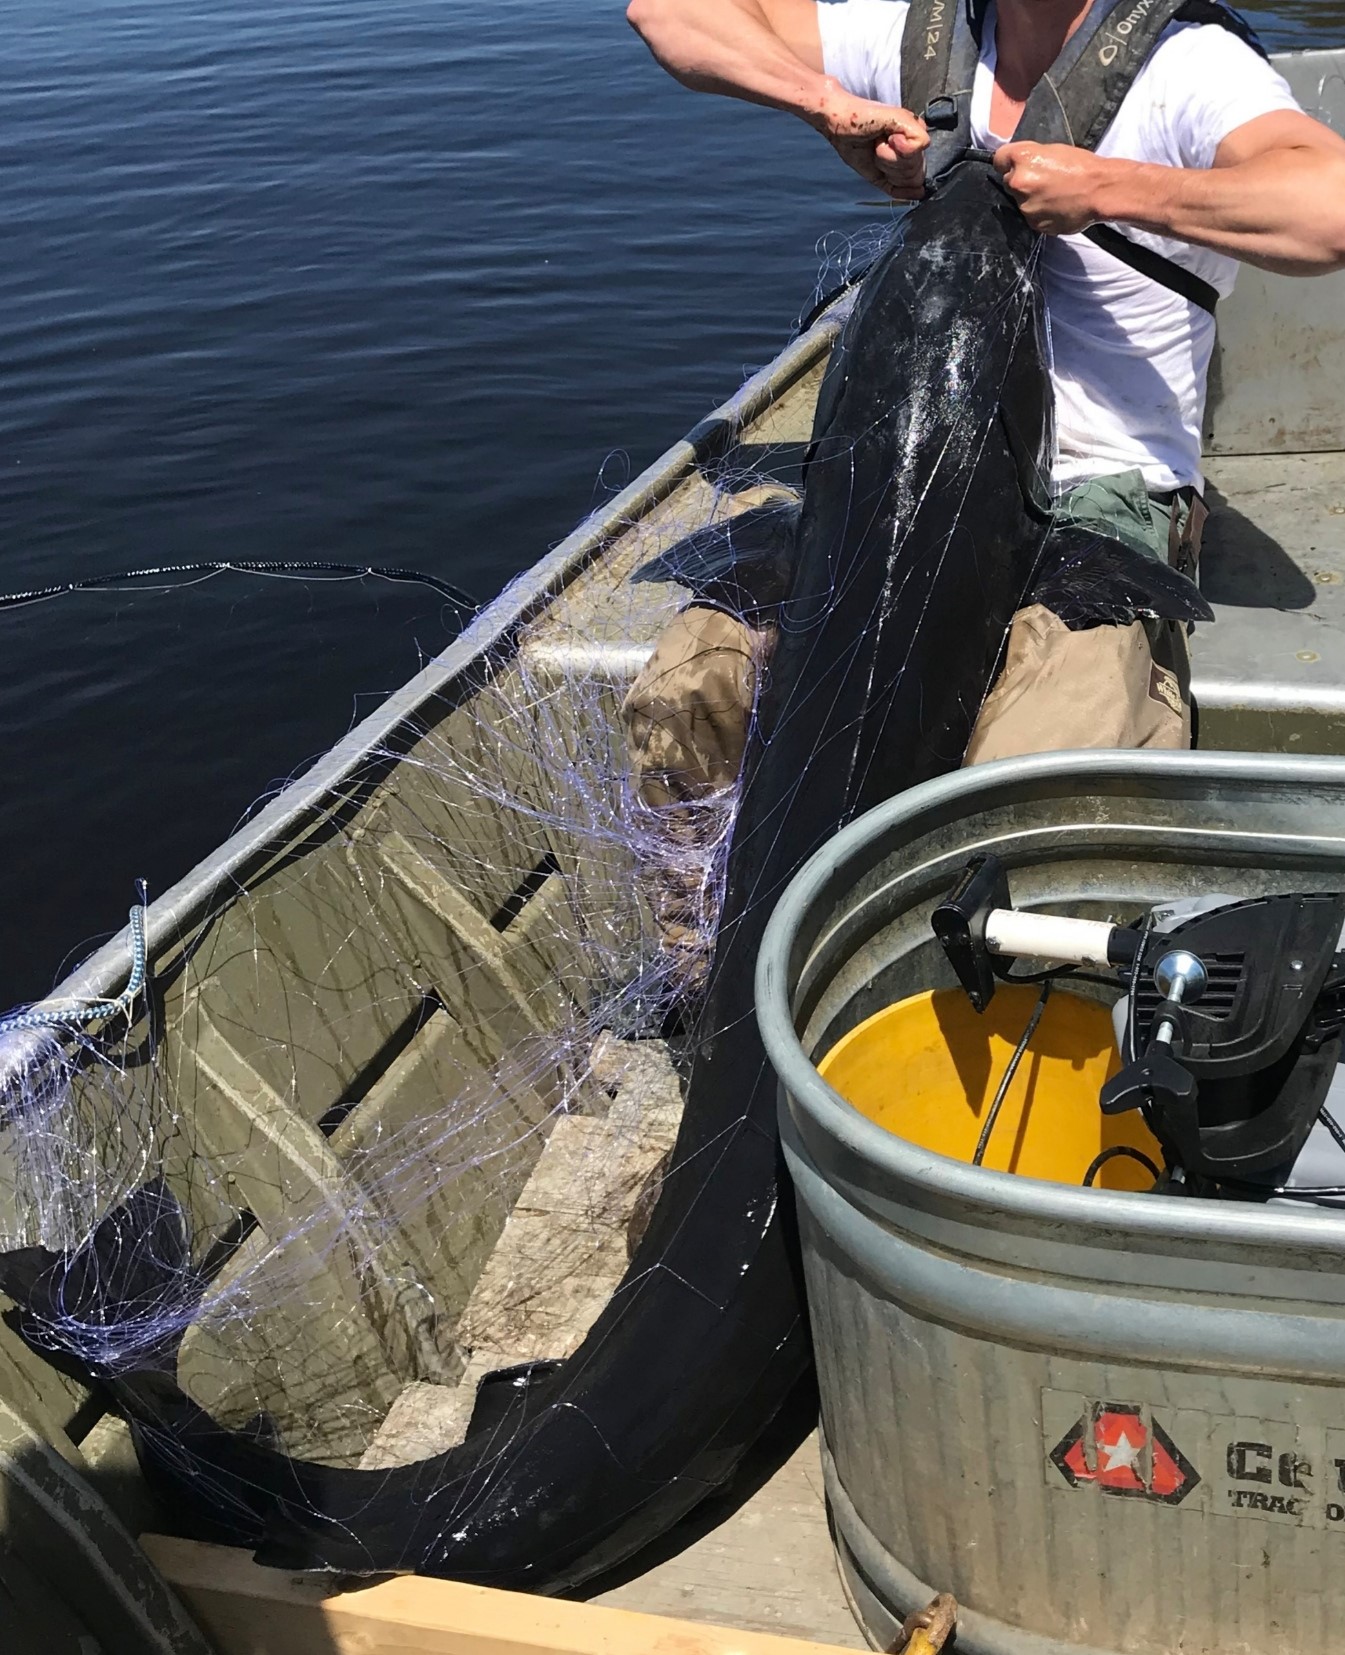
(1308, 655)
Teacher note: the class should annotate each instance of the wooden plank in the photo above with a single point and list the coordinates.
(427, 1420)
(562, 1252)
(428, 922)
(305, 1323)
(248, 1610)
(300, 976)
(469, 968)
(564, 1248)
(450, 797)
(544, 949)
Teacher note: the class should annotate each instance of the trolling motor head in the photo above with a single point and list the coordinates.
(1260, 1039)
(1233, 1012)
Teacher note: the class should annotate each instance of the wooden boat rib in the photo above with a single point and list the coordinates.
(379, 937)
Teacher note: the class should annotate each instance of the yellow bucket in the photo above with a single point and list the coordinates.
(927, 1069)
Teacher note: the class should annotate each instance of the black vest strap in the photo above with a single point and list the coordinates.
(1076, 100)
(1156, 266)
(939, 53)
(927, 70)
(1078, 97)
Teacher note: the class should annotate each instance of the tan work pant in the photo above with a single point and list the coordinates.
(686, 716)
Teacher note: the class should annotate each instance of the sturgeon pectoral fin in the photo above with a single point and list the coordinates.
(744, 562)
(1089, 579)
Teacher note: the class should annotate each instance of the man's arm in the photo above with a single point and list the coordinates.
(1275, 196)
(770, 52)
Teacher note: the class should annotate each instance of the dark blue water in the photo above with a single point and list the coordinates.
(413, 283)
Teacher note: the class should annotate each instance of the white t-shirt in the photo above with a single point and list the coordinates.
(1129, 357)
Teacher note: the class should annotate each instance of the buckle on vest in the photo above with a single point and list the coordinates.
(941, 115)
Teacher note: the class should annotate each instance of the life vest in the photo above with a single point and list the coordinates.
(1075, 101)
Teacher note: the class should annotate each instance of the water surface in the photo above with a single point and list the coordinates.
(413, 284)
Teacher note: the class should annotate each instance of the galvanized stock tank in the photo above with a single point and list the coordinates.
(1104, 1421)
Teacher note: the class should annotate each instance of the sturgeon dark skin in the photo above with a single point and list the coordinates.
(925, 521)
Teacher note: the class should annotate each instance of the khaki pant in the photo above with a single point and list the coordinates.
(686, 719)
(1109, 686)
(687, 714)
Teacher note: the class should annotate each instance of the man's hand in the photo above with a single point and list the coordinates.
(1056, 185)
(1274, 197)
(885, 145)
(770, 52)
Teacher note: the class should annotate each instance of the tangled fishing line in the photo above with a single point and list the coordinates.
(375, 1133)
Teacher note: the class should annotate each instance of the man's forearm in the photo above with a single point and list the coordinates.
(770, 52)
(729, 46)
(1283, 210)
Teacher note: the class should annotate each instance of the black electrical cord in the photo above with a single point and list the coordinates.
(1332, 1125)
(1115, 1152)
(992, 1115)
(1059, 973)
(279, 566)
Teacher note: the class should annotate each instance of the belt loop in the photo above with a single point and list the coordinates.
(1186, 532)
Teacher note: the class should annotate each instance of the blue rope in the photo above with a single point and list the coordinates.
(76, 1015)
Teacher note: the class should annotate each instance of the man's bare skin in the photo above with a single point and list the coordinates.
(1275, 196)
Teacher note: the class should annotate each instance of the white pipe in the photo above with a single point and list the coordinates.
(1048, 937)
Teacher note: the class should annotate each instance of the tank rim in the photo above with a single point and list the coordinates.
(997, 1196)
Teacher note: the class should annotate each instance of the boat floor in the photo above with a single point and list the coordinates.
(1271, 671)
(761, 1563)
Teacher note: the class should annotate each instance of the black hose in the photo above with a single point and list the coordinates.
(1332, 1125)
(446, 589)
(1112, 1154)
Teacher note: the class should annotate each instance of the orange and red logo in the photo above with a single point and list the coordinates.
(1119, 1451)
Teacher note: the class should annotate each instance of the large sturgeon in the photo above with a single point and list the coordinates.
(925, 521)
